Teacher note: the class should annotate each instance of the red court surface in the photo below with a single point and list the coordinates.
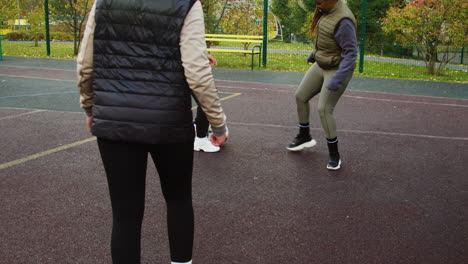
(400, 197)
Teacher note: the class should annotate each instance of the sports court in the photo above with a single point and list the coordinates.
(400, 197)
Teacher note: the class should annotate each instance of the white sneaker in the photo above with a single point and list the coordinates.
(204, 144)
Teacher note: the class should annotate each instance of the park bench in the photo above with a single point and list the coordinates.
(256, 49)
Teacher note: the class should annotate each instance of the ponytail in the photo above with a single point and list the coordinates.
(317, 16)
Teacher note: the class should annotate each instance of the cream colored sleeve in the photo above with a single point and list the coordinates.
(85, 64)
(197, 68)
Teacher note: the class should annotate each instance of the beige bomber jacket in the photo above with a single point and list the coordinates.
(194, 60)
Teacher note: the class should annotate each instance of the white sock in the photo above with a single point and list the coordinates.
(172, 262)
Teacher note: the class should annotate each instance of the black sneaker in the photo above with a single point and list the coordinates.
(301, 142)
(335, 162)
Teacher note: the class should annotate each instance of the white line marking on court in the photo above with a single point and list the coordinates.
(47, 152)
(42, 68)
(221, 99)
(403, 101)
(357, 131)
(39, 78)
(360, 97)
(259, 89)
(44, 153)
(409, 95)
(256, 83)
(38, 94)
(22, 114)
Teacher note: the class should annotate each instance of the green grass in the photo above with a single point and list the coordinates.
(276, 61)
(58, 50)
(271, 45)
(297, 63)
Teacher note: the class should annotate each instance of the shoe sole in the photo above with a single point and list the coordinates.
(208, 151)
(334, 168)
(304, 145)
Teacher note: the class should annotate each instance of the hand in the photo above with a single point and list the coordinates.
(88, 123)
(212, 60)
(311, 59)
(218, 140)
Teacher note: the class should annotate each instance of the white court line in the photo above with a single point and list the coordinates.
(292, 85)
(45, 153)
(356, 131)
(22, 114)
(259, 89)
(295, 86)
(38, 78)
(362, 97)
(50, 151)
(31, 67)
(403, 101)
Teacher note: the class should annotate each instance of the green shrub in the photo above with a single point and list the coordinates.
(36, 36)
(17, 35)
(22, 35)
(61, 36)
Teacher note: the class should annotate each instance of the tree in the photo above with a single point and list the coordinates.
(375, 11)
(8, 10)
(301, 16)
(246, 18)
(431, 25)
(281, 9)
(214, 11)
(36, 20)
(73, 14)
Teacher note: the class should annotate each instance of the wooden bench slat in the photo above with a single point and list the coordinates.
(233, 36)
(234, 40)
(232, 50)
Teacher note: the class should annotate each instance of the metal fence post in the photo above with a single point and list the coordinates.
(46, 17)
(462, 54)
(265, 32)
(1, 52)
(362, 39)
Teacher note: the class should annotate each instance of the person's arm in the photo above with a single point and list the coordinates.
(198, 71)
(345, 36)
(85, 67)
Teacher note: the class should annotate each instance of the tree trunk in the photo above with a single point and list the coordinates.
(432, 53)
(75, 36)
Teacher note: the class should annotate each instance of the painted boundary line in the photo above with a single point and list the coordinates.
(361, 97)
(44, 153)
(38, 78)
(38, 94)
(36, 67)
(356, 131)
(22, 114)
(47, 152)
(403, 101)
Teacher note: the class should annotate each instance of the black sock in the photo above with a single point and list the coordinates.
(304, 129)
(332, 145)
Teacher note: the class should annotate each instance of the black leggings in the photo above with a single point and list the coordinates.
(201, 121)
(125, 165)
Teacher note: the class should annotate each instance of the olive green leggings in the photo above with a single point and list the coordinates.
(313, 83)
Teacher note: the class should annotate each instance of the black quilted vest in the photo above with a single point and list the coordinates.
(141, 93)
